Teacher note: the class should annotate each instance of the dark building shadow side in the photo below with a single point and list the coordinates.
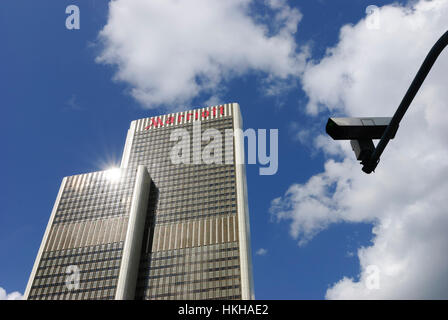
(145, 257)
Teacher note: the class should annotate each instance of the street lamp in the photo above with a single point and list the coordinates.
(361, 131)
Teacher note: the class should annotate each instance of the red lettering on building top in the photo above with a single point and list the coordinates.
(158, 122)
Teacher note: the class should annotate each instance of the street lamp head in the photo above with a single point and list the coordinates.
(357, 128)
(360, 132)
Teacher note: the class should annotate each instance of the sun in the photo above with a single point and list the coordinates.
(113, 174)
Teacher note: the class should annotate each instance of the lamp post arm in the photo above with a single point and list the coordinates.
(430, 59)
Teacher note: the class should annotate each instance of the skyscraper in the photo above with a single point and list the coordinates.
(171, 223)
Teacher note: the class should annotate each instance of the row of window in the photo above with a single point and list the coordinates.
(206, 205)
(61, 281)
(211, 293)
(181, 253)
(191, 216)
(120, 191)
(93, 207)
(196, 283)
(96, 214)
(152, 152)
(99, 185)
(191, 263)
(70, 253)
(76, 195)
(176, 170)
(204, 268)
(197, 199)
(194, 209)
(113, 246)
(103, 292)
(93, 265)
(156, 164)
(200, 182)
(194, 213)
(194, 187)
(195, 177)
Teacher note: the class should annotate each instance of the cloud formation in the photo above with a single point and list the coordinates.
(366, 74)
(171, 51)
(10, 296)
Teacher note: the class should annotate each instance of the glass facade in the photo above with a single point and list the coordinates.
(194, 273)
(98, 266)
(193, 241)
(194, 252)
(86, 236)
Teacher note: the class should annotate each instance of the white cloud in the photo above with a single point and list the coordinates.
(171, 51)
(366, 74)
(261, 252)
(10, 296)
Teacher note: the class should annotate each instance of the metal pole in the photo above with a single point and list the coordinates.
(407, 99)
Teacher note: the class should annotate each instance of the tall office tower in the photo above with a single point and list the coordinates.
(183, 214)
(198, 240)
(91, 246)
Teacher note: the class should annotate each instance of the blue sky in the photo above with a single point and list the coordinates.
(64, 114)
